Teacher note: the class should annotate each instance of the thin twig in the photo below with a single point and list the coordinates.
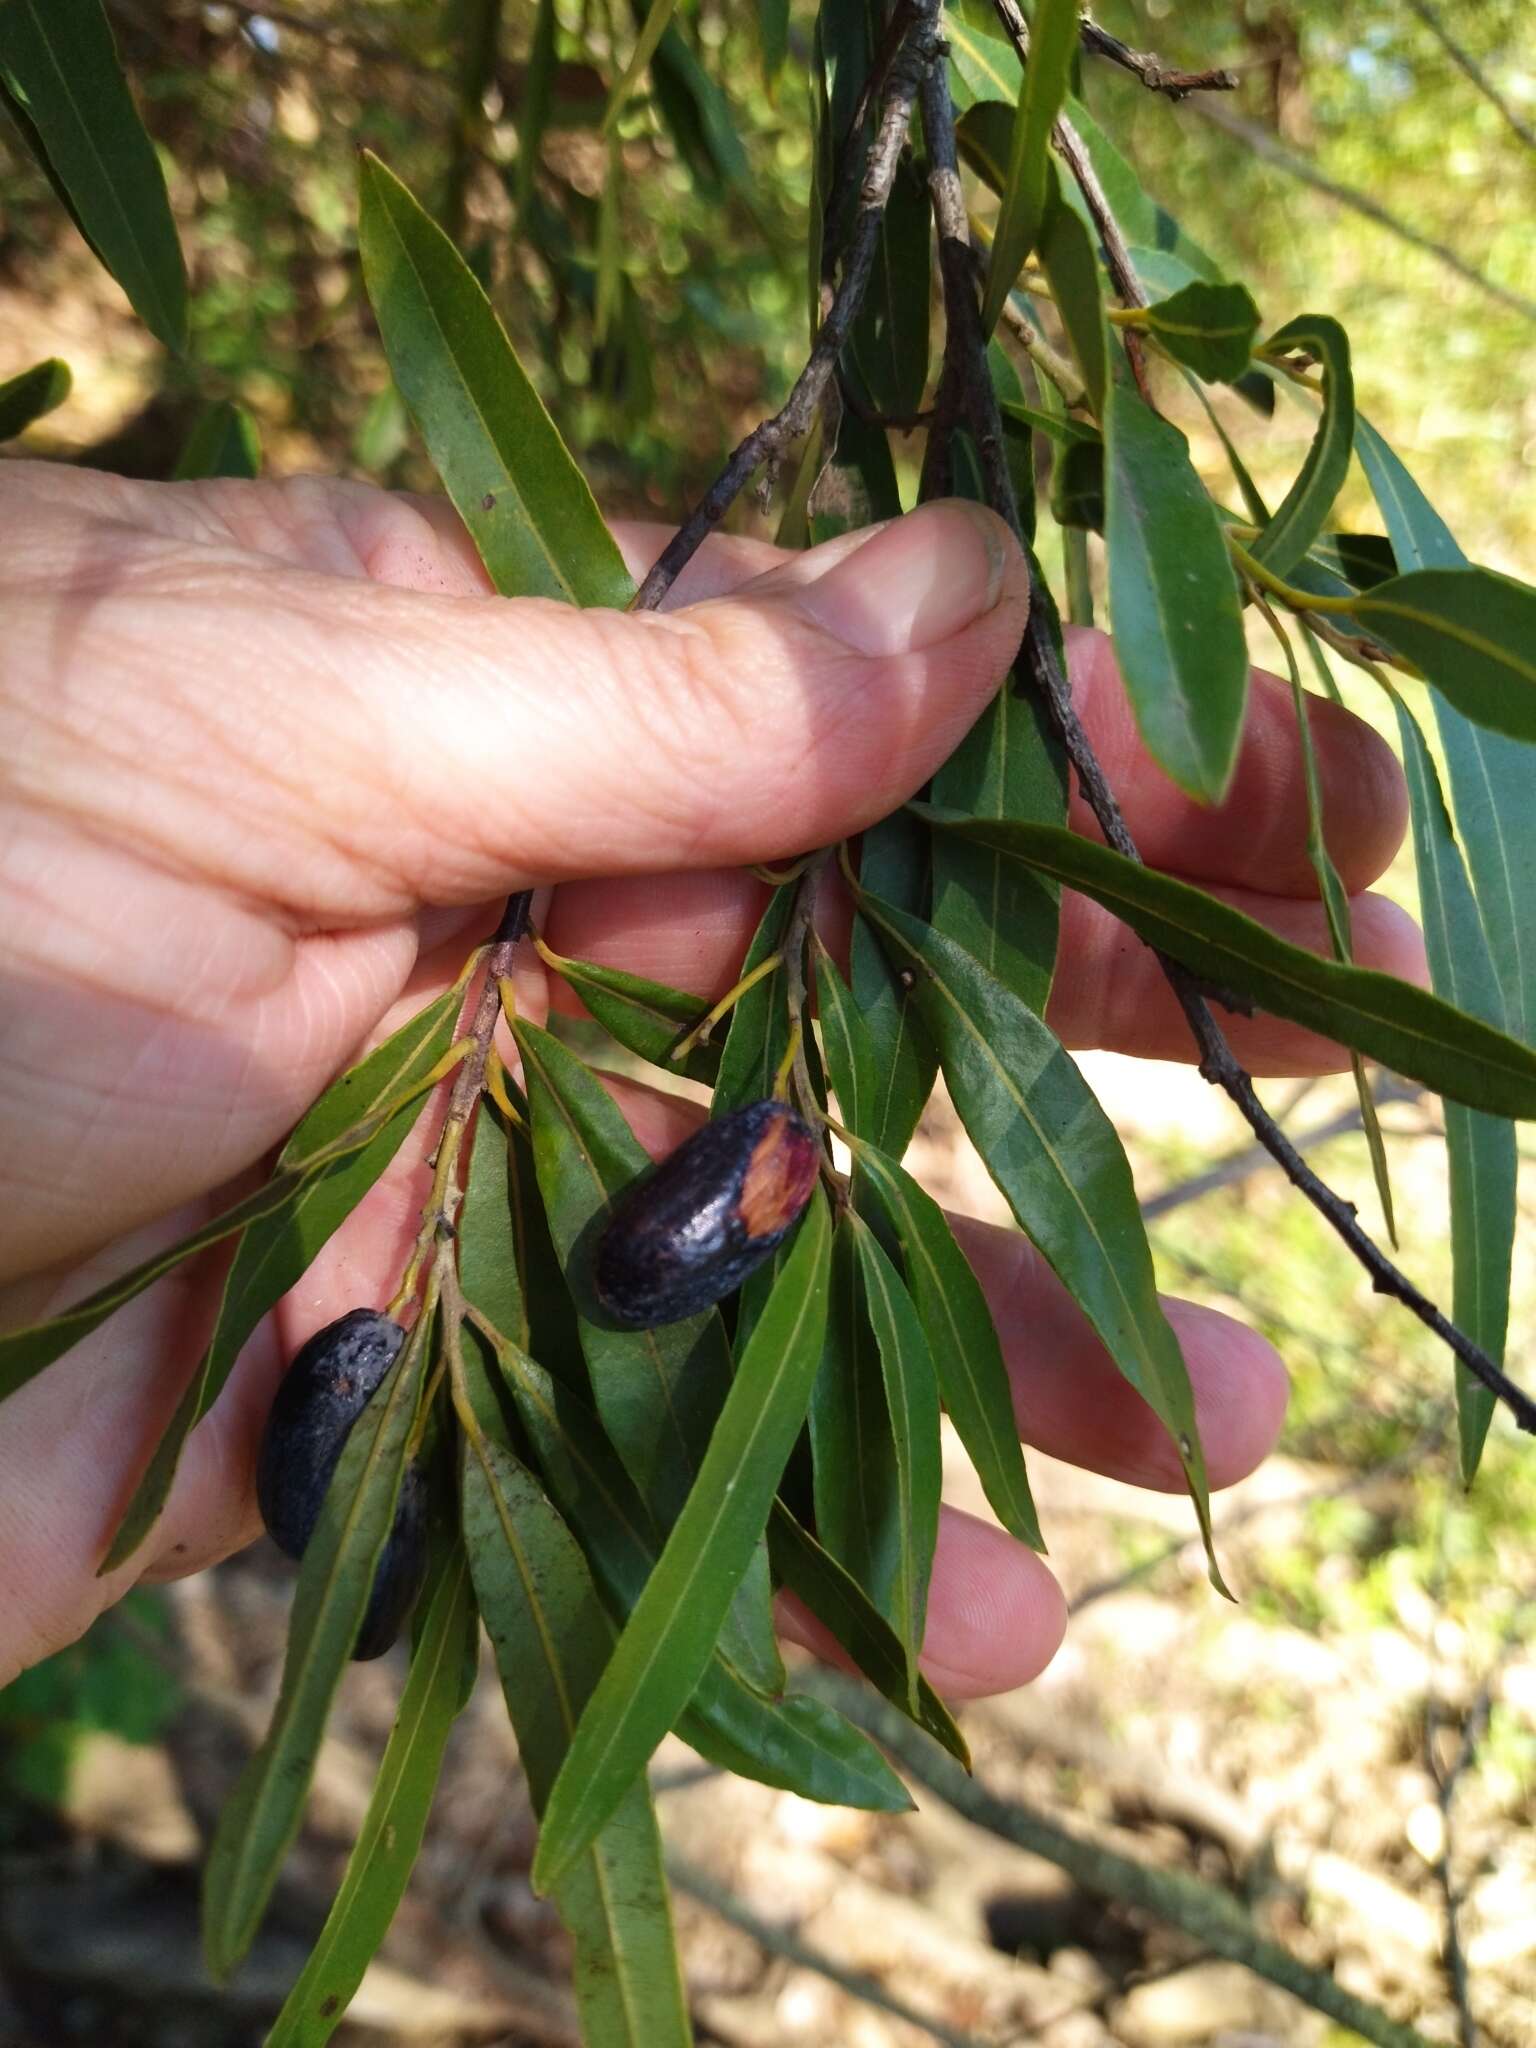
(1209, 1915)
(771, 437)
(779, 1941)
(1154, 74)
(1257, 138)
(1247, 1160)
(965, 363)
(1465, 61)
(1062, 373)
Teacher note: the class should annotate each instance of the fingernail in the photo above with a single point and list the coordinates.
(915, 582)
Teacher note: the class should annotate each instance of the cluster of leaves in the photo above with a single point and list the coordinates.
(619, 1507)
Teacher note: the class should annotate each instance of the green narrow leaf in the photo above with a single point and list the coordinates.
(224, 442)
(821, 1586)
(60, 66)
(551, 1638)
(646, 1017)
(538, 97)
(912, 1402)
(1210, 327)
(1304, 510)
(848, 1046)
(1173, 599)
(442, 1658)
(657, 1391)
(276, 1251)
(666, 1643)
(773, 34)
(1490, 775)
(962, 1340)
(697, 114)
(25, 398)
(527, 506)
(491, 1257)
(1481, 1149)
(1471, 630)
(1402, 1026)
(1335, 900)
(1052, 51)
(1009, 765)
(1072, 270)
(758, 1037)
(856, 1478)
(889, 342)
(792, 1742)
(1143, 220)
(894, 861)
(262, 1814)
(659, 13)
(1057, 1158)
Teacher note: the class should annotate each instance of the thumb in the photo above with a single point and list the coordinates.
(785, 715)
(503, 744)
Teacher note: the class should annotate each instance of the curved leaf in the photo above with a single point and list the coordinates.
(263, 1812)
(1056, 1157)
(526, 505)
(60, 68)
(1209, 327)
(1173, 599)
(1304, 510)
(666, 1644)
(1404, 1027)
(442, 1658)
(1043, 88)
(758, 1034)
(1067, 255)
(30, 394)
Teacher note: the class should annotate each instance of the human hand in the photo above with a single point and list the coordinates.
(269, 752)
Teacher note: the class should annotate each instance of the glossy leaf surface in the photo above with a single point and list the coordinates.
(1209, 327)
(1052, 51)
(263, 1812)
(1304, 510)
(277, 1250)
(646, 1017)
(1056, 1157)
(59, 65)
(1173, 599)
(526, 505)
(380, 1865)
(1402, 1026)
(667, 1641)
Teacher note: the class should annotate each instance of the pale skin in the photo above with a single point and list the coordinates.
(271, 754)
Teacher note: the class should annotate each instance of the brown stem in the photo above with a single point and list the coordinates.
(771, 437)
(1154, 74)
(966, 366)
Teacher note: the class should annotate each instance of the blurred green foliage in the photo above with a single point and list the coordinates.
(260, 116)
(107, 1682)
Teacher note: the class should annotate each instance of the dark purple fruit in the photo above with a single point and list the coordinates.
(688, 1234)
(324, 1391)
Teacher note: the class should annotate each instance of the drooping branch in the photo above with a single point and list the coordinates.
(966, 366)
(1154, 74)
(796, 416)
(1464, 60)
